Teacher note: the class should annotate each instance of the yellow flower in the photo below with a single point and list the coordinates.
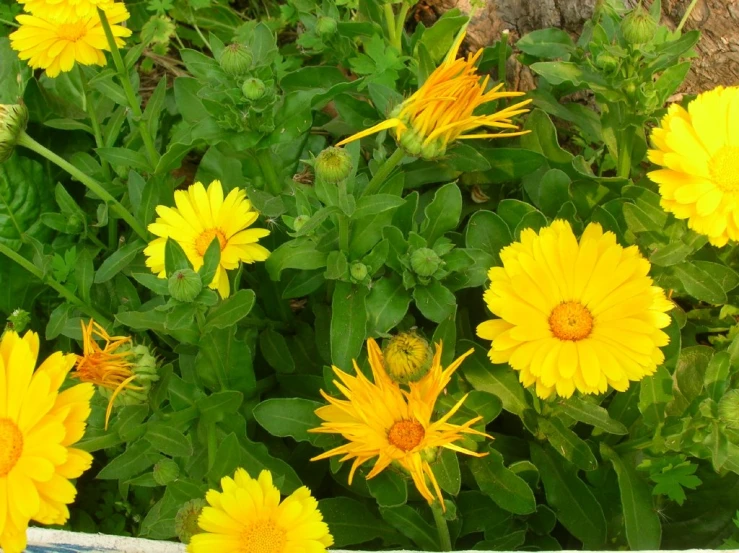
(199, 218)
(57, 46)
(248, 517)
(575, 316)
(38, 426)
(407, 357)
(380, 420)
(65, 11)
(443, 109)
(698, 149)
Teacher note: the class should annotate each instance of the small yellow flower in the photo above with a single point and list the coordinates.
(65, 11)
(407, 357)
(380, 420)
(443, 109)
(698, 150)
(38, 426)
(575, 315)
(199, 218)
(56, 47)
(248, 517)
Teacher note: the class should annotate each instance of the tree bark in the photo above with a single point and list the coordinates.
(718, 20)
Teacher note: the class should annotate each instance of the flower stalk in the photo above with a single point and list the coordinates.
(383, 172)
(445, 540)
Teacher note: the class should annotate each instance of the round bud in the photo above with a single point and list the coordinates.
(605, 61)
(333, 165)
(326, 26)
(13, 120)
(425, 262)
(638, 26)
(253, 89)
(185, 285)
(166, 471)
(358, 271)
(408, 357)
(236, 60)
(728, 409)
(186, 520)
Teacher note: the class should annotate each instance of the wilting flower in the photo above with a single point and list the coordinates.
(443, 109)
(408, 357)
(698, 149)
(38, 426)
(56, 47)
(200, 217)
(248, 513)
(575, 316)
(380, 420)
(13, 120)
(64, 11)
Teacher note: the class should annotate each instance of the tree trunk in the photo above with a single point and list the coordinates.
(718, 20)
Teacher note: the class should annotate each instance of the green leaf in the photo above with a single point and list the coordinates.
(377, 203)
(655, 392)
(699, 284)
(300, 253)
(591, 414)
(575, 505)
(291, 417)
(718, 375)
(228, 458)
(387, 304)
(389, 488)
(216, 407)
(443, 213)
(84, 273)
(410, 523)
(670, 254)
(438, 39)
(175, 258)
(211, 261)
(348, 323)
(255, 458)
(547, 43)
(224, 362)
(508, 490)
(126, 158)
(643, 528)
(550, 192)
(231, 310)
(479, 513)
(487, 231)
(568, 444)
(446, 470)
(317, 220)
(276, 352)
(727, 278)
(434, 301)
(510, 164)
(118, 261)
(350, 521)
(136, 459)
(168, 440)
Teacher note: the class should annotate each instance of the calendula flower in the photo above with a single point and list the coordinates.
(248, 517)
(408, 357)
(379, 420)
(38, 427)
(698, 150)
(56, 47)
(200, 217)
(575, 315)
(443, 109)
(64, 11)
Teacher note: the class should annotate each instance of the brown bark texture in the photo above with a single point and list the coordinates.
(718, 20)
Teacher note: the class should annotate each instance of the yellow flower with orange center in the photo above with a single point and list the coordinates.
(443, 109)
(57, 46)
(64, 11)
(575, 315)
(698, 150)
(380, 420)
(200, 217)
(39, 424)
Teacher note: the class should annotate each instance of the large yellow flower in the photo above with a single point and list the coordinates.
(443, 109)
(38, 426)
(698, 149)
(199, 218)
(575, 316)
(247, 517)
(56, 47)
(64, 11)
(380, 420)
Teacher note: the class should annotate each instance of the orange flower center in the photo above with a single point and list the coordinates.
(11, 446)
(406, 435)
(263, 537)
(725, 168)
(206, 237)
(71, 31)
(571, 320)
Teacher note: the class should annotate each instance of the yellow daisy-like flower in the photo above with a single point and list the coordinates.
(38, 426)
(56, 47)
(443, 109)
(201, 216)
(248, 517)
(698, 149)
(64, 11)
(380, 420)
(575, 315)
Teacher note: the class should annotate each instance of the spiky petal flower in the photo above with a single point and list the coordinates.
(65, 11)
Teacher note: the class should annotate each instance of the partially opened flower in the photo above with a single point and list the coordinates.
(248, 517)
(38, 427)
(201, 216)
(575, 315)
(56, 47)
(698, 150)
(444, 108)
(65, 11)
(380, 421)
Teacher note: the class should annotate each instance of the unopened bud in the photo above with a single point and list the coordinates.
(333, 165)
(236, 59)
(185, 285)
(326, 26)
(638, 26)
(253, 89)
(408, 357)
(425, 262)
(13, 120)
(358, 271)
(166, 471)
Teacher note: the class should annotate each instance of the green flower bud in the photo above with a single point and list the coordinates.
(166, 471)
(407, 357)
(429, 454)
(433, 149)
(326, 26)
(333, 165)
(236, 60)
(300, 221)
(18, 320)
(253, 89)
(358, 271)
(185, 285)
(144, 366)
(728, 409)
(605, 61)
(638, 26)
(425, 262)
(186, 520)
(13, 120)
(411, 142)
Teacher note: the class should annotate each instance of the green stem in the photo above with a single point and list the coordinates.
(128, 89)
(383, 172)
(445, 539)
(96, 130)
(62, 290)
(400, 24)
(9, 23)
(264, 158)
(88, 181)
(95, 240)
(684, 20)
(178, 417)
(390, 22)
(200, 33)
(624, 152)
